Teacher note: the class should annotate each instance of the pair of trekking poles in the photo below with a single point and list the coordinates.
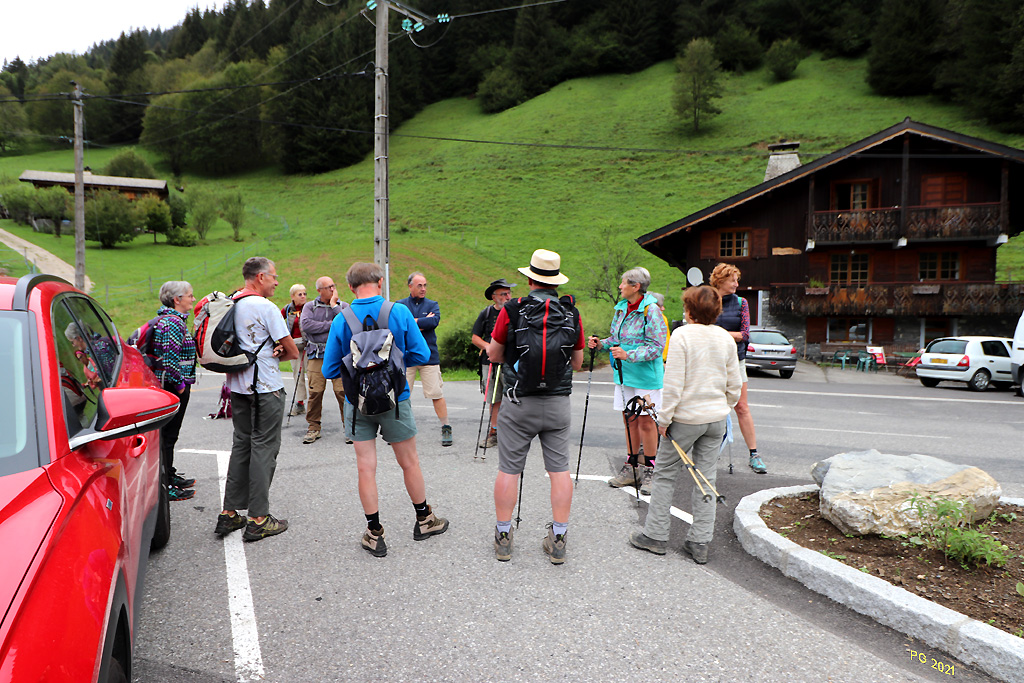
(493, 373)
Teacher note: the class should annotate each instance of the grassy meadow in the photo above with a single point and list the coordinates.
(469, 212)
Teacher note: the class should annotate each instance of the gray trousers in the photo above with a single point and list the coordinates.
(253, 451)
(701, 443)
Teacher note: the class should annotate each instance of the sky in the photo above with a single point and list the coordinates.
(39, 28)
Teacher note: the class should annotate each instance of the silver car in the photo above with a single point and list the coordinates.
(771, 350)
(978, 361)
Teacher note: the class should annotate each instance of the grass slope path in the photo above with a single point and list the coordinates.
(44, 261)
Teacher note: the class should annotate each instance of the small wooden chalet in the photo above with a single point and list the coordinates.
(889, 241)
(130, 187)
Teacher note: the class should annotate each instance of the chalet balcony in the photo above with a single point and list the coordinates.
(964, 221)
(898, 299)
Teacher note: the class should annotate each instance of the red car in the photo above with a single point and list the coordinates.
(82, 499)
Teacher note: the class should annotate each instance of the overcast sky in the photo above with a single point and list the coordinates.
(39, 28)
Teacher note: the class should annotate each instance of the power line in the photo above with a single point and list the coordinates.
(506, 9)
(249, 39)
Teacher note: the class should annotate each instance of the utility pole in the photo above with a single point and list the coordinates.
(381, 214)
(78, 105)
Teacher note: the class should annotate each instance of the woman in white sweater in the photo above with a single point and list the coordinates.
(702, 384)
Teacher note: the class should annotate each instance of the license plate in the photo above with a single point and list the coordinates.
(939, 361)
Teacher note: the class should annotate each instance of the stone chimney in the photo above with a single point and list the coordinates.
(783, 159)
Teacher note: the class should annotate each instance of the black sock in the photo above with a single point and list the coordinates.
(422, 509)
(373, 521)
(633, 459)
(753, 452)
(649, 462)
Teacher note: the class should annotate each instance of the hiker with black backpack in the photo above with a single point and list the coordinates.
(538, 340)
(258, 400)
(369, 346)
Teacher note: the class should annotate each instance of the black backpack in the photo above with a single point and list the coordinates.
(373, 372)
(541, 335)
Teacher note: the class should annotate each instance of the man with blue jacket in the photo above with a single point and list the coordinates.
(398, 427)
(428, 315)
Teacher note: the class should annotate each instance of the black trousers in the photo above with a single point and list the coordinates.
(169, 432)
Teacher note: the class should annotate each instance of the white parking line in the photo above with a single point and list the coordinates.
(826, 394)
(853, 431)
(244, 633)
(676, 512)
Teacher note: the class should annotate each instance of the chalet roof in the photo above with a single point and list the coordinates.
(95, 181)
(650, 240)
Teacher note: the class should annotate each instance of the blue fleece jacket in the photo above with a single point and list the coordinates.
(427, 324)
(403, 328)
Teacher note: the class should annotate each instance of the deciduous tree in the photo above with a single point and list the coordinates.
(698, 82)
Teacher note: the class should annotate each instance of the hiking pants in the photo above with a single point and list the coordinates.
(253, 451)
(169, 432)
(317, 388)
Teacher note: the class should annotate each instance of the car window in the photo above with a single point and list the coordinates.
(80, 377)
(104, 344)
(18, 449)
(995, 348)
(947, 346)
(767, 337)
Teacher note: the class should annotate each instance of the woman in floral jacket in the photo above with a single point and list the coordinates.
(637, 341)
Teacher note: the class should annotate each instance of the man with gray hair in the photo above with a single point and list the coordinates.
(257, 402)
(315, 322)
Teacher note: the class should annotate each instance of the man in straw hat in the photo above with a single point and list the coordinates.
(498, 292)
(538, 384)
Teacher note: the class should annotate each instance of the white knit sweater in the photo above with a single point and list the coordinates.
(702, 376)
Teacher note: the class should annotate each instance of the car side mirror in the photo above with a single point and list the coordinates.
(127, 411)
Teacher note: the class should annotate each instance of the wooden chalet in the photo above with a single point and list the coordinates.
(889, 241)
(130, 187)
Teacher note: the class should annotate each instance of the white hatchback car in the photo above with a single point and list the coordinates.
(978, 361)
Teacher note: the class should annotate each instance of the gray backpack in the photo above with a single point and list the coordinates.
(373, 372)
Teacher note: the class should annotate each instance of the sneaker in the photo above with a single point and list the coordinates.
(271, 526)
(491, 440)
(446, 435)
(757, 465)
(698, 551)
(180, 494)
(429, 525)
(645, 480)
(554, 546)
(228, 523)
(180, 482)
(299, 409)
(373, 542)
(503, 545)
(625, 477)
(311, 435)
(640, 540)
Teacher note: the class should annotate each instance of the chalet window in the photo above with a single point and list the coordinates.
(848, 329)
(948, 189)
(734, 244)
(936, 265)
(849, 269)
(854, 195)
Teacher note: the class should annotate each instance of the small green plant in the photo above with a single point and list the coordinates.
(829, 553)
(1020, 589)
(946, 526)
(865, 570)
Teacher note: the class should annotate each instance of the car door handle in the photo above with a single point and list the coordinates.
(138, 446)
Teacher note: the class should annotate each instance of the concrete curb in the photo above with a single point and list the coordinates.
(994, 651)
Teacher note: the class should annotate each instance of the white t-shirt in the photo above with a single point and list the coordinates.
(256, 319)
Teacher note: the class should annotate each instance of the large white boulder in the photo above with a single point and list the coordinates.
(867, 492)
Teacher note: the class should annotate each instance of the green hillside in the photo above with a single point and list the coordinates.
(468, 212)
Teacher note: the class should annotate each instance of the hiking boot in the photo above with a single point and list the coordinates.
(373, 542)
(645, 480)
(228, 523)
(757, 465)
(299, 409)
(624, 477)
(180, 482)
(446, 435)
(179, 494)
(503, 545)
(491, 440)
(698, 551)
(270, 527)
(554, 546)
(311, 435)
(429, 525)
(639, 539)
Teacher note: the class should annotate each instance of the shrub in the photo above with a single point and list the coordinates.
(179, 210)
(737, 48)
(155, 216)
(456, 348)
(783, 57)
(182, 237)
(128, 164)
(946, 527)
(110, 218)
(17, 199)
(500, 90)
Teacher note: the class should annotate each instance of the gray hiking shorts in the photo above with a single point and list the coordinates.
(545, 416)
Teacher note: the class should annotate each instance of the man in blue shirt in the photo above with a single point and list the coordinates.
(428, 315)
(397, 427)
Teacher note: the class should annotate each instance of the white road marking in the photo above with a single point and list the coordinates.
(676, 512)
(820, 394)
(854, 431)
(244, 632)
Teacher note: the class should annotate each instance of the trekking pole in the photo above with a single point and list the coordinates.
(586, 405)
(483, 408)
(633, 457)
(494, 395)
(519, 506)
(298, 378)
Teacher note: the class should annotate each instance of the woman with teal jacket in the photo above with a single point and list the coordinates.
(637, 341)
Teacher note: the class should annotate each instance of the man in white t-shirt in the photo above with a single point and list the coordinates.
(257, 403)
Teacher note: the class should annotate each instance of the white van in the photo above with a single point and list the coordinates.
(1017, 356)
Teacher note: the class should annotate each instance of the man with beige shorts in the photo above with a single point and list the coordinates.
(428, 315)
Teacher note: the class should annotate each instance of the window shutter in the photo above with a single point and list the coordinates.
(977, 265)
(817, 266)
(759, 243)
(883, 330)
(709, 245)
(817, 330)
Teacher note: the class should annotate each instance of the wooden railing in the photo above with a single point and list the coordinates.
(922, 222)
(889, 299)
